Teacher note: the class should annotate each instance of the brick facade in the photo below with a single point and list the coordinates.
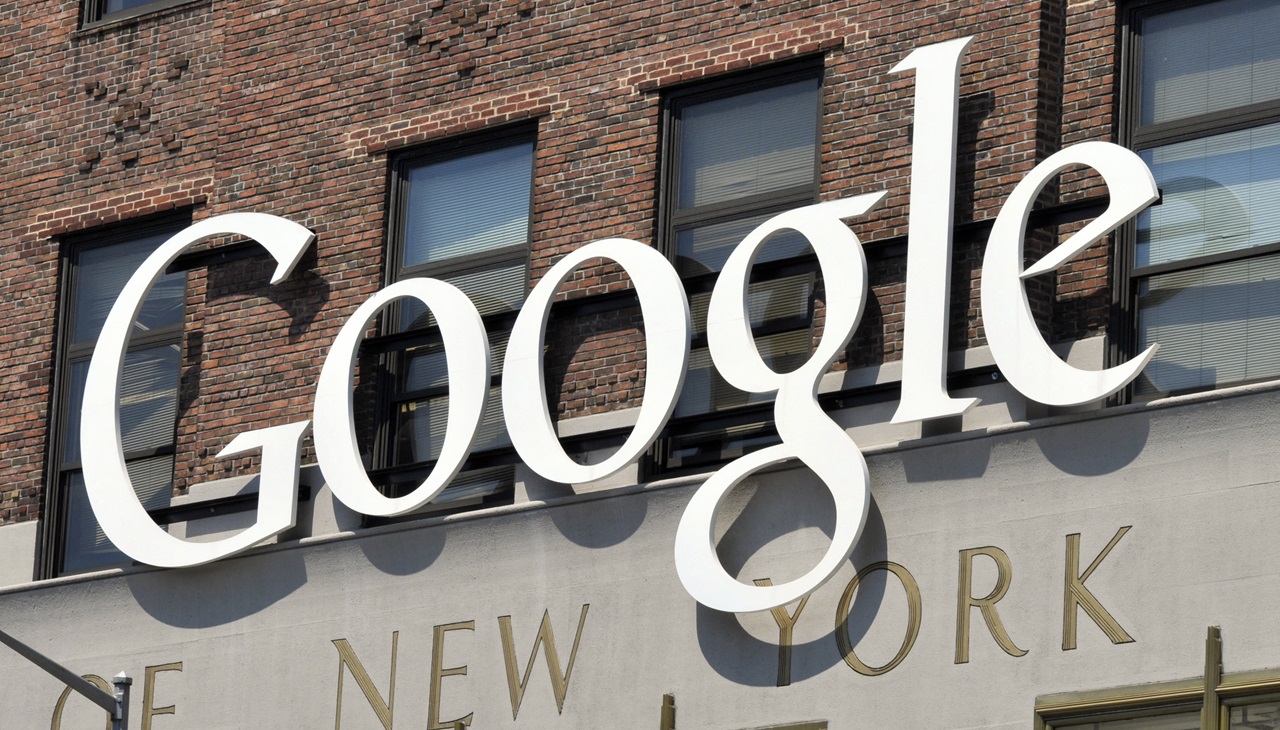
(247, 105)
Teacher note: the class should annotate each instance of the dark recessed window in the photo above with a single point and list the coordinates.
(96, 268)
(737, 152)
(461, 213)
(1204, 114)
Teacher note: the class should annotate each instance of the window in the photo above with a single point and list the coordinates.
(1204, 113)
(461, 213)
(736, 153)
(1237, 701)
(95, 269)
(96, 11)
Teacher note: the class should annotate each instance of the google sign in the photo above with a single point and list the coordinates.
(807, 433)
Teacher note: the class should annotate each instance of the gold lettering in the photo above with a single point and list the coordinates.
(966, 601)
(347, 658)
(914, 612)
(438, 674)
(96, 681)
(668, 720)
(1076, 595)
(786, 623)
(149, 690)
(547, 639)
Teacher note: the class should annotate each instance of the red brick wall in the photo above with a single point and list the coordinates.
(293, 109)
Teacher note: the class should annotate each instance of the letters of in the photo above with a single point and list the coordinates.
(149, 710)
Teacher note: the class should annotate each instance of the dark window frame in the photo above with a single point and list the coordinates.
(1138, 137)
(1212, 697)
(389, 342)
(671, 219)
(55, 509)
(93, 13)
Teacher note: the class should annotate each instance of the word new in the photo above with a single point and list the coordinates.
(385, 708)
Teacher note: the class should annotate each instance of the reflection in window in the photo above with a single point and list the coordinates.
(741, 152)
(97, 272)
(1209, 58)
(1220, 193)
(1206, 261)
(748, 144)
(1258, 716)
(467, 206)
(462, 215)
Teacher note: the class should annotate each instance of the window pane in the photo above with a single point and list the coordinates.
(421, 428)
(705, 391)
(494, 290)
(741, 159)
(472, 486)
(1180, 721)
(149, 397)
(1260, 716)
(748, 144)
(718, 444)
(1221, 193)
(115, 6)
(767, 301)
(468, 205)
(148, 400)
(704, 250)
(1209, 58)
(101, 274)
(427, 366)
(467, 488)
(87, 548)
(1216, 325)
(75, 401)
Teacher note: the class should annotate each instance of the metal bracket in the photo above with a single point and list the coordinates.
(116, 705)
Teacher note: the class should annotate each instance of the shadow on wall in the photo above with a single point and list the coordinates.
(220, 592)
(613, 521)
(391, 555)
(1106, 445)
(726, 645)
(302, 295)
(964, 460)
(971, 148)
(225, 591)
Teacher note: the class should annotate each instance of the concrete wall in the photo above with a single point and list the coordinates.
(1195, 482)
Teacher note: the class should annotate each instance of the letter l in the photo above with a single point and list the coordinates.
(933, 192)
